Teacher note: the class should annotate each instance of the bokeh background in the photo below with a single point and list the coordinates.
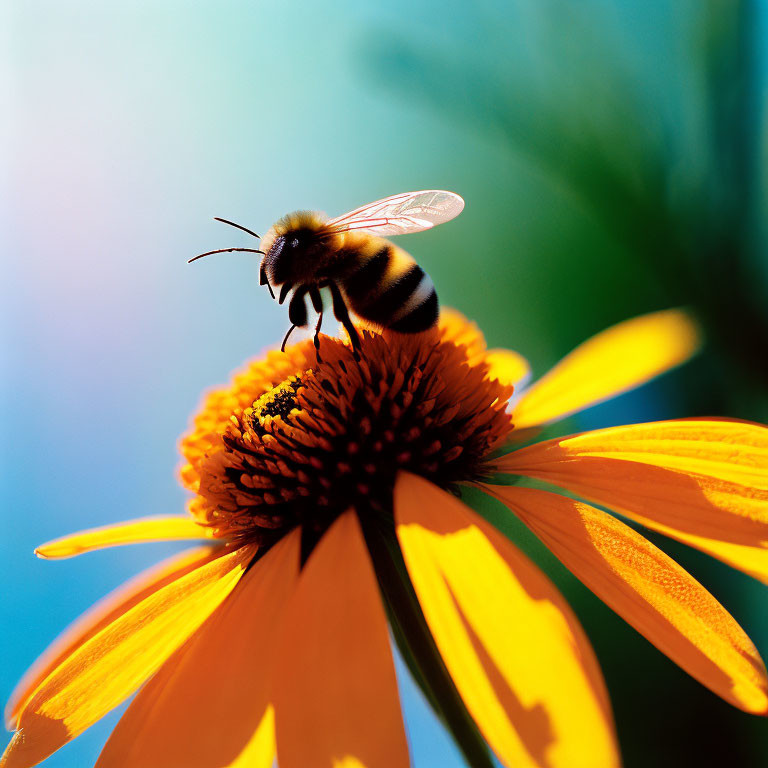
(612, 156)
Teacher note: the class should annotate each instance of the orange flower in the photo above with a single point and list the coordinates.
(328, 493)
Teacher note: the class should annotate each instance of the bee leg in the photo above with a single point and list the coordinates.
(290, 330)
(284, 291)
(317, 304)
(297, 307)
(317, 299)
(316, 338)
(342, 315)
(264, 280)
(297, 312)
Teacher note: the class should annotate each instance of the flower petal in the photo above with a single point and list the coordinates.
(107, 610)
(129, 532)
(702, 482)
(202, 708)
(620, 358)
(514, 649)
(335, 692)
(111, 665)
(457, 328)
(508, 367)
(259, 752)
(649, 590)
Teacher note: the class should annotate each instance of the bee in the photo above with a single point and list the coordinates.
(379, 282)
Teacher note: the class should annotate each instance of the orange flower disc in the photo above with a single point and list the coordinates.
(300, 439)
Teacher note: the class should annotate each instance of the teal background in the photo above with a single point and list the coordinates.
(612, 157)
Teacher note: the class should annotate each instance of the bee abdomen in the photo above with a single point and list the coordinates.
(366, 280)
(390, 290)
(391, 300)
(421, 312)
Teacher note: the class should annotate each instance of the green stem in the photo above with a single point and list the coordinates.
(416, 643)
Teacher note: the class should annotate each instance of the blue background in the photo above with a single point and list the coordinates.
(133, 123)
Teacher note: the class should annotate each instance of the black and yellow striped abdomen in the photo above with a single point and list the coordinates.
(386, 287)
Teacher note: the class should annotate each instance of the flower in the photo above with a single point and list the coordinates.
(328, 495)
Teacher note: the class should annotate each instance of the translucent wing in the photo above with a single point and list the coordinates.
(401, 214)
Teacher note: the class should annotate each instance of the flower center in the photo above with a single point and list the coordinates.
(275, 406)
(335, 435)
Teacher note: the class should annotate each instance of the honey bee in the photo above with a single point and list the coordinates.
(381, 283)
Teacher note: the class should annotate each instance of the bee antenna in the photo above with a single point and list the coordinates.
(225, 250)
(237, 226)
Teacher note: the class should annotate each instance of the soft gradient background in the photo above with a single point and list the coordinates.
(612, 158)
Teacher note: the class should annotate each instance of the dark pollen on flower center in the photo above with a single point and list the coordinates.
(278, 402)
(335, 436)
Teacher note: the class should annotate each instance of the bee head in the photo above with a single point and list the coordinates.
(292, 247)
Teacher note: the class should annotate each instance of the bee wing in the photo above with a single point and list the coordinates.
(400, 214)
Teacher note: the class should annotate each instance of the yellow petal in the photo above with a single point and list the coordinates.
(649, 590)
(129, 532)
(700, 481)
(507, 366)
(259, 752)
(462, 332)
(735, 451)
(109, 667)
(515, 651)
(107, 610)
(205, 705)
(620, 358)
(335, 692)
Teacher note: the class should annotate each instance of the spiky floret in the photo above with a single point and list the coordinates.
(296, 440)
